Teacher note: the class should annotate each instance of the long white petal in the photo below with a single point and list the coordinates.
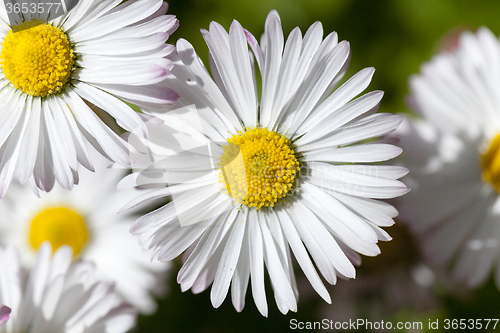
(301, 255)
(257, 263)
(228, 262)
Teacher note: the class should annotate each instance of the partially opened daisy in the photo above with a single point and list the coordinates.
(453, 154)
(56, 295)
(102, 52)
(86, 219)
(253, 182)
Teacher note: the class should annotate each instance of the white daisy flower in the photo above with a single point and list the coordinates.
(453, 154)
(85, 219)
(300, 191)
(56, 295)
(101, 53)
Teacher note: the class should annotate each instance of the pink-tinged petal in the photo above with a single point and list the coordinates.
(4, 314)
(254, 45)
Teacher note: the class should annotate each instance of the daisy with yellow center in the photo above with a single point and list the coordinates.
(252, 181)
(55, 73)
(86, 220)
(453, 154)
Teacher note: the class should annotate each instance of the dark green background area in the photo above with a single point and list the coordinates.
(395, 37)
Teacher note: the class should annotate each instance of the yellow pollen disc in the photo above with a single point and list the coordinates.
(38, 58)
(258, 167)
(60, 226)
(490, 163)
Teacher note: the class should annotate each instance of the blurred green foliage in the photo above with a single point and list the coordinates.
(395, 37)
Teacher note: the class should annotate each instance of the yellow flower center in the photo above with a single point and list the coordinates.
(60, 226)
(258, 167)
(490, 163)
(37, 58)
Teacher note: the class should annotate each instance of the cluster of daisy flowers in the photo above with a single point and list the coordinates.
(68, 262)
(247, 175)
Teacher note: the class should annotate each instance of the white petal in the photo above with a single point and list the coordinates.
(112, 145)
(342, 116)
(286, 77)
(298, 215)
(338, 229)
(115, 21)
(218, 43)
(239, 52)
(301, 255)
(257, 263)
(378, 212)
(56, 152)
(11, 151)
(29, 146)
(241, 276)
(318, 79)
(10, 112)
(310, 44)
(42, 173)
(272, 63)
(125, 116)
(155, 94)
(192, 61)
(66, 134)
(325, 240)
(228, 261)
(383, 171)
(342, 213)
(51, 297)
(207, 274)
(77, 139)
(343, 174)
(132, 74)
(367, 128)
(88, 11)
(179, 239)
(374, 152)
(208, 244)
(122, 46)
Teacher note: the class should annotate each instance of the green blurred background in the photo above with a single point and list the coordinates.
(395, 37)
